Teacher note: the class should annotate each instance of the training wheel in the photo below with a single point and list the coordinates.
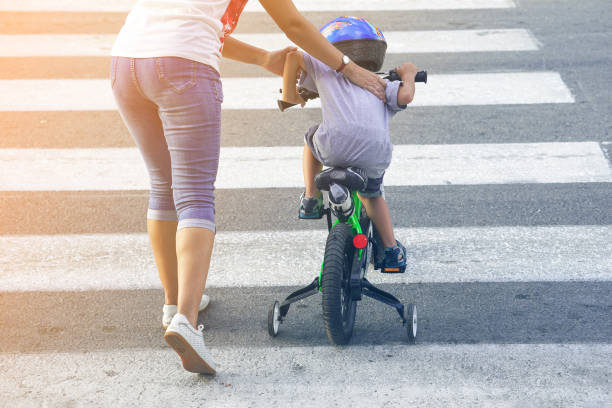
(274, 319)
(410, 314)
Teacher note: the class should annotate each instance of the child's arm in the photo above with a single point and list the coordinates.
(407, 72)
(294, 64)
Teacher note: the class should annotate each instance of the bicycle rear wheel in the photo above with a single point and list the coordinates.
(338, 308)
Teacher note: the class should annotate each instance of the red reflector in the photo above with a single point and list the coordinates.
(360, 241)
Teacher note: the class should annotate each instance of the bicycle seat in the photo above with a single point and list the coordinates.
(352, 178)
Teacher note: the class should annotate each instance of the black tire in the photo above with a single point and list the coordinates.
(274, 319)
(410, 314)
(338, 307)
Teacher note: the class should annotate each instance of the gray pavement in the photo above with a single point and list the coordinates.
(276, 209)
(514, 375)
(449, 313)
(438, 125)
(515, 342)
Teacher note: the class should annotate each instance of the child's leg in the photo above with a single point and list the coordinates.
(311, 167)
(376, 207)
(378, 211)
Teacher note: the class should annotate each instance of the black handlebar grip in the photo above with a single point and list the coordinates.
(421, 76)
(393, 76)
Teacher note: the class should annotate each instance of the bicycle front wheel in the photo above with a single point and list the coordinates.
(338, 307)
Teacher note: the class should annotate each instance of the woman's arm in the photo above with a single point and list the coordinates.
(305, 35)
(273, 61)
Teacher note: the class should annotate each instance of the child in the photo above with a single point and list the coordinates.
(354, 131)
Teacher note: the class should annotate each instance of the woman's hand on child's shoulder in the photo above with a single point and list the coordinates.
(366, 79)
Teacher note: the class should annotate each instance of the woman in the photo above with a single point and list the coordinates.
(165, 78)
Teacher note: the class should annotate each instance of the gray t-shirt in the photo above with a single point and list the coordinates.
(355, 127)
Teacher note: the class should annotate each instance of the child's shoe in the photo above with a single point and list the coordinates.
(188, 343)
(170, 310)
(311, 208)
(395, 259)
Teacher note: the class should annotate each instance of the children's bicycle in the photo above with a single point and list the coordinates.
(352, 245)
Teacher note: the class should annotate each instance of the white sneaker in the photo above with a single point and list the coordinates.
(170, 310)
(189, 345)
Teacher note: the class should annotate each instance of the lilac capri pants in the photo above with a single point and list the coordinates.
(172, 108)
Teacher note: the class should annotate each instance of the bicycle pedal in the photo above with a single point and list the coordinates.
(393, 270)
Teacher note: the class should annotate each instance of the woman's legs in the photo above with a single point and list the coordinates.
(142, 120)
(172, 108)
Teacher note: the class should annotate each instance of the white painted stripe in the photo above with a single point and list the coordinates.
(280, 167)
(389, 5)
(360, 376)
(399, 42)
(255, 6)
(432, 41)
(262, 93)
(475, 254)
(56, 45)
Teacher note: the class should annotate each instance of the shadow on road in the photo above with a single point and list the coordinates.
(449, 313)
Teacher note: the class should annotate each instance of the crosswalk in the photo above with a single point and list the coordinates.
(249, 167)
(509, 240)
(399, 42)
(56, 262)
(302, 5)
(261, 93)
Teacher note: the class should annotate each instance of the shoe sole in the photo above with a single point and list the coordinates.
(192, 361)
(316, 217)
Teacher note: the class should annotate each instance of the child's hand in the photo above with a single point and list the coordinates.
(298, 98)
(407, 70)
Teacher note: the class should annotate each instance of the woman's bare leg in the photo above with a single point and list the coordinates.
(193, 249)
(162, 235)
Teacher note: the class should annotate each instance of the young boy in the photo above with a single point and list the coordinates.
(354, 131)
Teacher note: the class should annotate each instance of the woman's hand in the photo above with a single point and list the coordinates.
(365, 79)
(275, 60)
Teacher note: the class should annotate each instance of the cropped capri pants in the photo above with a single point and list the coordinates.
(172, 108)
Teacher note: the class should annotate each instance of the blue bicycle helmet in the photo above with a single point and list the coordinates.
(359, 39)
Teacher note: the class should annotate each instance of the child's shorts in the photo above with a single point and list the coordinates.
(374, 187)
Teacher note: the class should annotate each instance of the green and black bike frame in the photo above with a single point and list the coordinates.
(358, 283)
(362, 225)
(353, 219)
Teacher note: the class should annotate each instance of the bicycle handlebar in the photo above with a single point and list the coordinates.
(392, 75)
(420, 76)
